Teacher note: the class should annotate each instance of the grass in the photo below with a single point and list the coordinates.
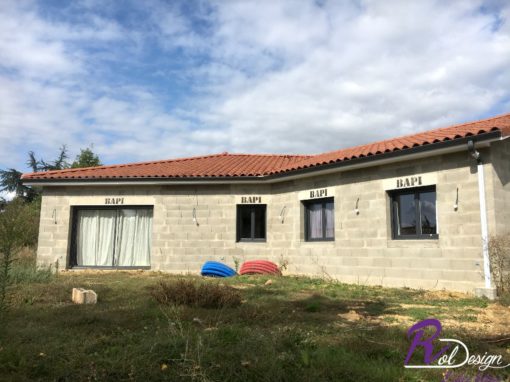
(296, 329)
(504, 299)
(25, 270)
(196, 294)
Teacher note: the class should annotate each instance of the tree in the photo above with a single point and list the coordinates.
(18, 228)
(41, 165)
(86, 158)
(10, 180)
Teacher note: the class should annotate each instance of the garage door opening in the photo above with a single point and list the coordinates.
(111, 237)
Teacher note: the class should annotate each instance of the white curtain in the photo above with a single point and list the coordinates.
(95, 237)
(315, 221)
(114, 237)
(133, 238)
(330, 220)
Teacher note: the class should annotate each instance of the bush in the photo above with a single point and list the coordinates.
(499, 252)
(204, 295)
(18, 229)
(24, 269)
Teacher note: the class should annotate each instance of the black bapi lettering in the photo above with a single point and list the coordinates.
(251, 199)
(409, 182)
(114, 201)
(319, 193)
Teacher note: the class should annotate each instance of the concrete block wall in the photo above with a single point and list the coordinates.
(500, 183)
(362, 252)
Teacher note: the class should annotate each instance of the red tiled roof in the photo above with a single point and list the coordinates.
(248, 165)
(500, 123)
(216, 165)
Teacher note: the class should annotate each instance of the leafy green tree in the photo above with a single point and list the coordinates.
(86, 158)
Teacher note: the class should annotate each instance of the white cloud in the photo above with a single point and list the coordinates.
(7, 195)
(40, 48)
(386, 71)
(256, 76)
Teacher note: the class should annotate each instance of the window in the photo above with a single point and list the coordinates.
(320, 220)
(251, 222)
(111, 237)
(414, 213)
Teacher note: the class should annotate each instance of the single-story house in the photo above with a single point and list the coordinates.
(414, 211)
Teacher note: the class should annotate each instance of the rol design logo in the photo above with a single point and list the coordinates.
(451, 354)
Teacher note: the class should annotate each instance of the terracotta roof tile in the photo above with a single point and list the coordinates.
(259, 165)
(217, 165)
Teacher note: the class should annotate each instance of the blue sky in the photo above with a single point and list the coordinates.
(143, 80)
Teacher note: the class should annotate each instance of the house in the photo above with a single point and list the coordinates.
(414, 211)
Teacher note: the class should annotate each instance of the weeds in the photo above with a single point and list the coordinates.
(204, 295)
(188, 356)
(25, 270)
(18, 228)
(270, 337)
(499, 251)
(237, 263)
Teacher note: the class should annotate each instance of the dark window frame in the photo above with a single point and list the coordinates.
(323, 201)
(252, 238)
(416, 191)
(73, 255)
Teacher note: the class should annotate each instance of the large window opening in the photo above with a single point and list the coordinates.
(319, 220)
(414, 213)
(251, 222)
(112, 237)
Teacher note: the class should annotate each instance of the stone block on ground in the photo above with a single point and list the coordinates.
(83, 296)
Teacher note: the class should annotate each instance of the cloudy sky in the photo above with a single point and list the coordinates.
(151, 79)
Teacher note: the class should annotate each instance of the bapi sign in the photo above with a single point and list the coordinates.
(453, 354)
(412, 181)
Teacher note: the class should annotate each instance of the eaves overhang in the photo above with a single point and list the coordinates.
(413, 153)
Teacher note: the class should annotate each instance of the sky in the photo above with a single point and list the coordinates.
(148, 80)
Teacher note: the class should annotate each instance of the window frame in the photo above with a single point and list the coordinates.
(323, 201)
(252, 238)
(73, 251)
(416, 191)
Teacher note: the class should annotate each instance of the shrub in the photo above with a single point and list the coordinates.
(499, 252)
(187, 292)
(24, 269)
(18, 228)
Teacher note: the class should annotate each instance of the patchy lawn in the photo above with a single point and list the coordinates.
(293, 329)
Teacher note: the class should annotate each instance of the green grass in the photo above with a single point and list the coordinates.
(504, 299)
(292, 330)
(25, 270)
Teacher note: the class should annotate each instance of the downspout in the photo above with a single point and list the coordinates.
(483, 214)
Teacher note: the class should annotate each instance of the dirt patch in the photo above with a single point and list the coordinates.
(133, 272)
(243, 286)
(444, 295)
(351, 316)
(408, 306)
(493, 321)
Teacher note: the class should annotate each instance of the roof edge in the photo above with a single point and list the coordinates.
(283, 176)
(143, 163)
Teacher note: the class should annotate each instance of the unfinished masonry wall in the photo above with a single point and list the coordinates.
(362, 252)
(500, 176)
